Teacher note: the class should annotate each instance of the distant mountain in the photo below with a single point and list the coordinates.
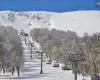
(79, 21)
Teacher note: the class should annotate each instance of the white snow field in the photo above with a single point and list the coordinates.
(79, 21)
(31, 70)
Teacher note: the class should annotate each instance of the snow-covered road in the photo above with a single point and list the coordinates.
(31, 70)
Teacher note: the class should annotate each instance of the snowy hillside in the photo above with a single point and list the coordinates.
(79, 21)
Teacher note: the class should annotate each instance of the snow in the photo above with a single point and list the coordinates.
(36, 45)
(31, 70)
(79, 21)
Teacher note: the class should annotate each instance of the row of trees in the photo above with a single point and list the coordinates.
(58, 44)
(11, 53)
(52, 41)
(92, 54)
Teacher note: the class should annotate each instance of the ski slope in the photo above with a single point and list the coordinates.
(79, 21)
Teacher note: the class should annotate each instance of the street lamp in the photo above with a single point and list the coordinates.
(26, 35)
(41, 71)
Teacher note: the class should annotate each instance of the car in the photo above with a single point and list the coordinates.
(33, 52)
(48, 61)
(55, 64)
(95, 78)
(39, 57)
(66, 67)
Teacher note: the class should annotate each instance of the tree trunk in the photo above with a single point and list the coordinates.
(3, 69)
(75, 67)
(18, 72)
(13, 70)
(95, 70)
(25, 39)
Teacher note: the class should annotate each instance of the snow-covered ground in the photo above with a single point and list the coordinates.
(31, 70)
(78, 21)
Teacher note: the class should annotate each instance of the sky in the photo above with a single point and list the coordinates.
(48, 5)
